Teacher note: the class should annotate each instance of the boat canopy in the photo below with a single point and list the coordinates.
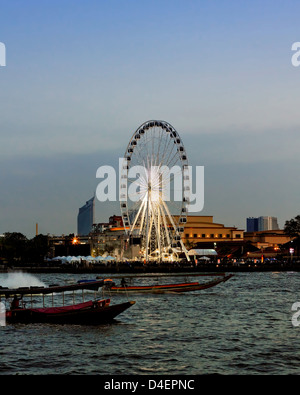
(203, 252)
(73, 259)
(92, 285)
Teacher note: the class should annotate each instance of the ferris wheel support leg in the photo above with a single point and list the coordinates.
(185, 251)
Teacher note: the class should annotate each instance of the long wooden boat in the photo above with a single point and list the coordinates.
(92, 312)
(165, 288)
(88, 313)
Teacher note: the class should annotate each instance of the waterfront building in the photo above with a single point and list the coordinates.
(267, 238)
(85, 218)
(111, 240)
(115, 221)
(202, 229)
(109, 237)
(66, 245)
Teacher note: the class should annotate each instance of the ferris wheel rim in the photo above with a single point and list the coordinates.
(140, 132)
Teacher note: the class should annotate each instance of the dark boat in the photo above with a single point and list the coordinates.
(166, 288)
(87, 313)
(92, 312)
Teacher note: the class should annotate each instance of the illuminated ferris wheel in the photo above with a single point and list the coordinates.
(155, 191)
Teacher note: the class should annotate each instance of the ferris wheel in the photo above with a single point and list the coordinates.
(155, 190)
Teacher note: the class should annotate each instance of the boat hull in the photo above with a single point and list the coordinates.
(169, 288)
(92, 315)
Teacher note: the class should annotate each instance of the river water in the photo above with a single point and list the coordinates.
(242, 326)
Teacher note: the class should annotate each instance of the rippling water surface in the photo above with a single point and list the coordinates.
(243, 326)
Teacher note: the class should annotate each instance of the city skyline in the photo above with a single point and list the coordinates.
(79, 79)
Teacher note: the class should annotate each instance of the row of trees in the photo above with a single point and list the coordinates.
(15, 246)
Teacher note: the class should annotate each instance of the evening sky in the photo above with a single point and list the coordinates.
(81, 76)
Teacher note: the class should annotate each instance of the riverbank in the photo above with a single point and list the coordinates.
(152, 268)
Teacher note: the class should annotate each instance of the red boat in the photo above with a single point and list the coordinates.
(92, 312)
(165, 288)
(87, 313)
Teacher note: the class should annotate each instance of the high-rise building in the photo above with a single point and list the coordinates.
(261, 223)
(275, 225)
(252, 224)
(85, 218)
(267, 223)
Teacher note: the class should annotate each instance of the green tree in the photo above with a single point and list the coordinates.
(14, 245)
(292, 227)
(37, 248)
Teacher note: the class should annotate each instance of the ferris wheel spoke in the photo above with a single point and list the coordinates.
(168, 143)
(137, 215)
(169, 157)
(143, 218)
(158, 148)
(165, 226)
(169, 216)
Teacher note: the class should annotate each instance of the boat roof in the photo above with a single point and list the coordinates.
(36, 290)
(161, 275)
